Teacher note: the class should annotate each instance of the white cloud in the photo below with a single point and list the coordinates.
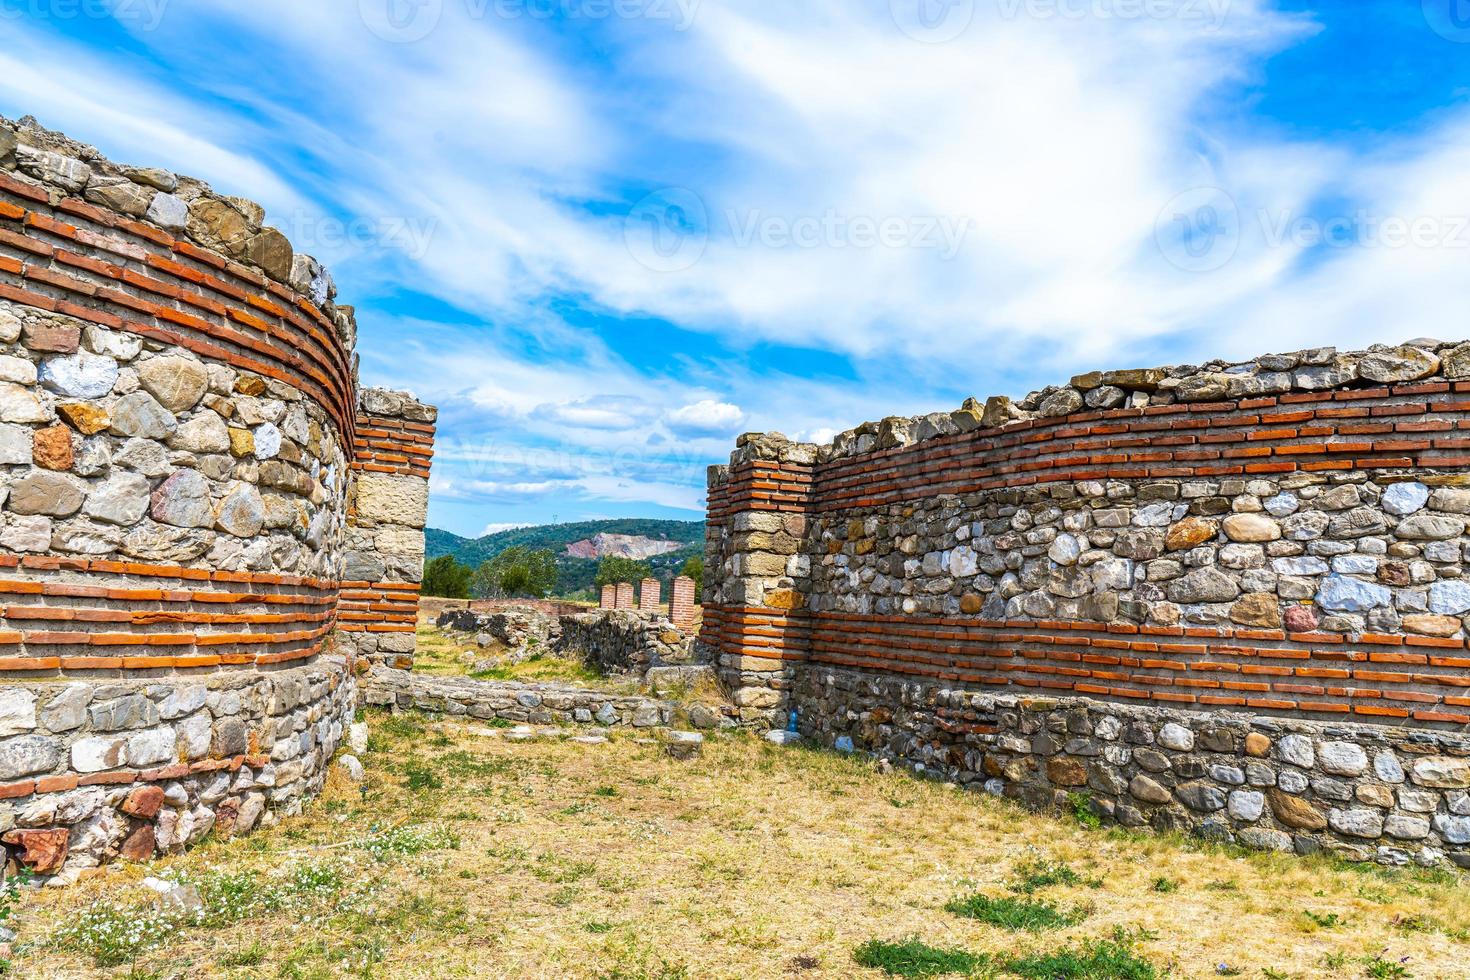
(705, 417)
(494, 528)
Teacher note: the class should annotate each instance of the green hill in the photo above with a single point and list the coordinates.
(575, 574)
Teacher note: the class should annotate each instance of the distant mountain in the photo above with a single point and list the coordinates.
(574, 544)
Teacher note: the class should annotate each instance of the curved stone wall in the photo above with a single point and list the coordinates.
(1283, 538)
(179, 424)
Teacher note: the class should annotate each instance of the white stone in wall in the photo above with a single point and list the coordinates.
(120, 499)
(17, 445)
(267, 441)
(1405, 498)
(152, 746)
(1297, 750)
(1342, 758)
(1449, 597)
(17, 370)
(19, 404)
(1341, 594)
(1247, 805)
(79, 375)
(17, 711)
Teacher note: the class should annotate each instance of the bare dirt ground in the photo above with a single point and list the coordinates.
(482, 852)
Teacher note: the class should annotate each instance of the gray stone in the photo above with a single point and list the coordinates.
(1174, 736)
(1429, 527)
(1341, 594)
(1356, 823)
(1296, 750)
(17, 445)
(183, 501)
(79, 375)
(169, 212)
(122, 499)
(20, 404)
(242, 512)
(1405, 827)
(152, 746)
(1398, 364)
(126, 712)
(1405, 498)
(1449, 597)
(1455, 830)
(352, 768)
(1207, 584)
(140, 415)
(1149, 791)
(17, 711)
(1387, 768)
(1202, 797)
(26, 755)
(176, 382)
(68, 709)
(98, 752)
(1342, 758)
(1246, 805)
(43, 492)
(205, 432)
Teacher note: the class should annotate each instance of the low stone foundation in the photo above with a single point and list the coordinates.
(133, 767)
(1364, 792)
(537, 704)
(626, 642)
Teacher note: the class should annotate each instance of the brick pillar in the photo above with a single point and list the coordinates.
(681, 604)
(757, 573)
(650, 595)
(609, 598)
(625, 595)
(379, 605)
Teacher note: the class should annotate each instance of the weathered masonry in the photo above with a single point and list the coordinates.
(1229, 597)
(204, 519)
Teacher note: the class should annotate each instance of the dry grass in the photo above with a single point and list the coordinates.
(613, 861)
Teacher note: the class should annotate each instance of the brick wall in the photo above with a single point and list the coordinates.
(681, 602)
(650, 595)
(181, 441)
(1283, 538)
(385, 559)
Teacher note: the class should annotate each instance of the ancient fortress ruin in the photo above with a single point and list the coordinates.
(205, 520)
(1228, 598)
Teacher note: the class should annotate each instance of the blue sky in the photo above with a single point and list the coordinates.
(606, 236)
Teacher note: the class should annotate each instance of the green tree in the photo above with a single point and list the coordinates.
(517, 572)
(694, 568)
(448, 578)
(613, 569)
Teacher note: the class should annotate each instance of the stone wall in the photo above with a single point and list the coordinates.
(387, 513)
(1284, 537)
(178, 426)
(538, 704)
(1362, 792)
(626, 642)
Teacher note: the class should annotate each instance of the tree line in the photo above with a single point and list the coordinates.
(523, 573)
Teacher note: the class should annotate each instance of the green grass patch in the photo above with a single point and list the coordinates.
(1094, 959)
(914, 958)
(1016, 914)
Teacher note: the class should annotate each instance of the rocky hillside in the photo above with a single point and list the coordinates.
(665, 545)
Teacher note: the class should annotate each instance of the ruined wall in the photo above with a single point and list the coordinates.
(1277, 539)
(626, 641)
(177, 411)
(389, 508)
